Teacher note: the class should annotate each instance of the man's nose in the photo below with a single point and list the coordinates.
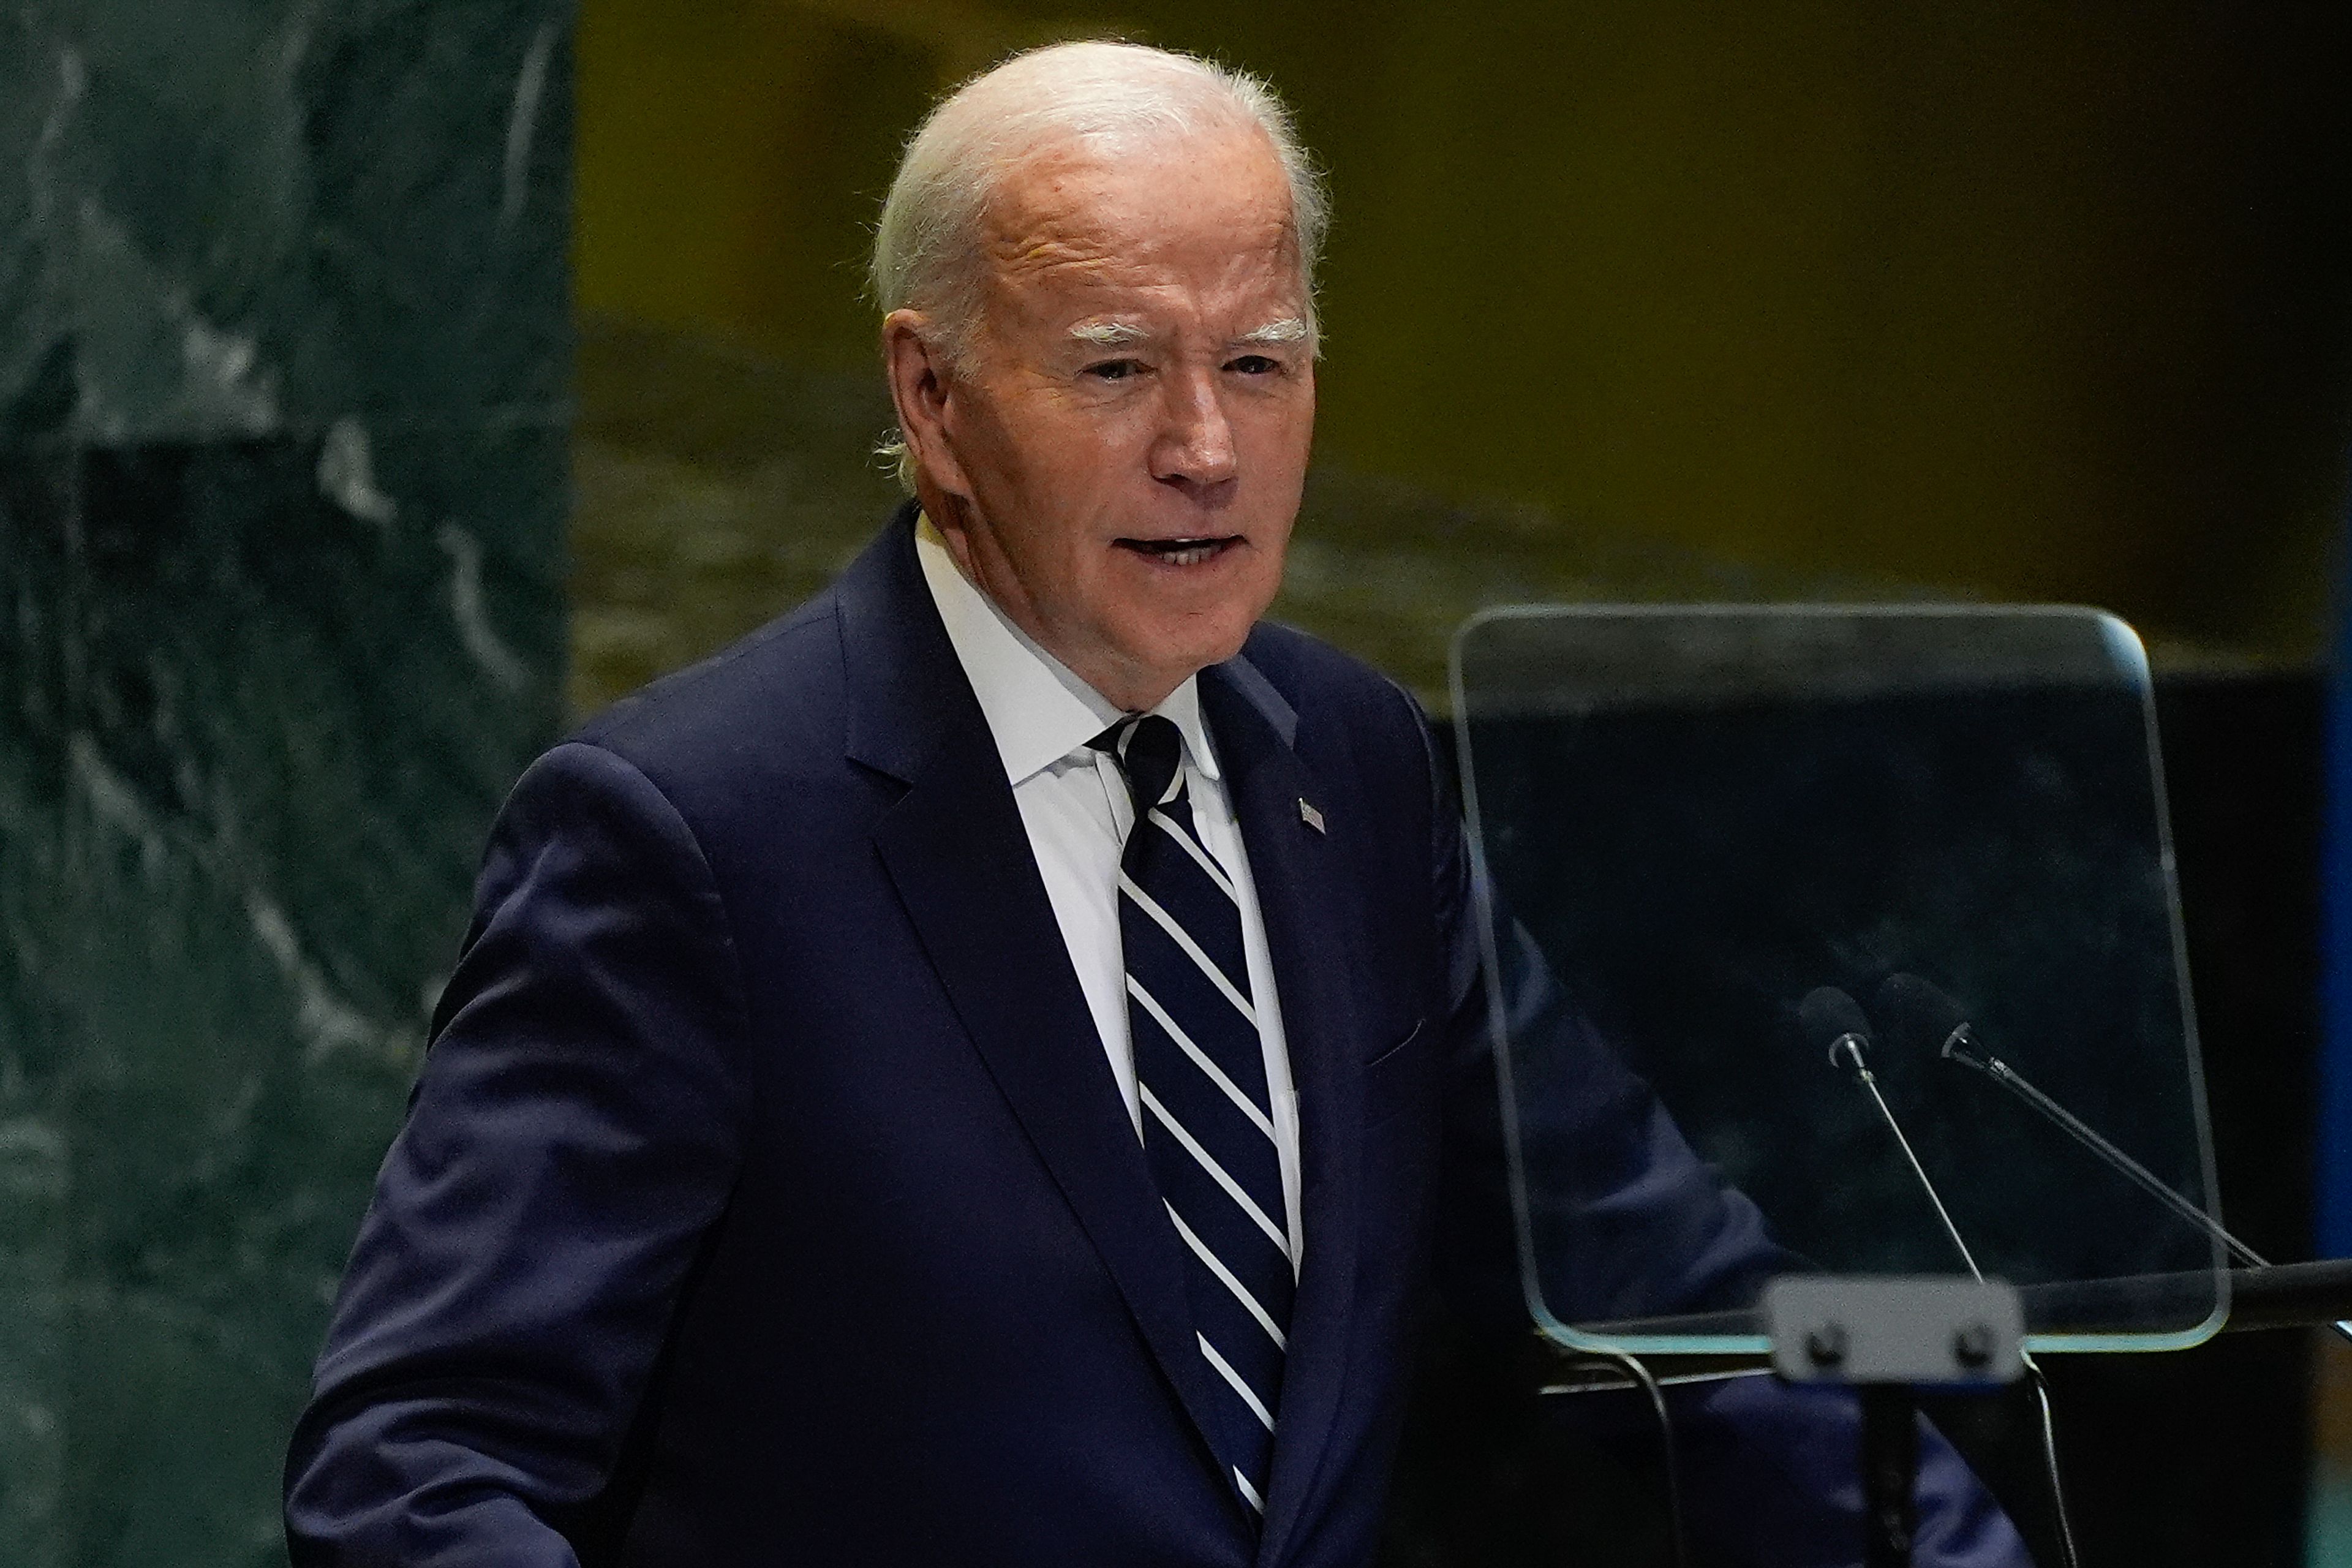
(1196, 443)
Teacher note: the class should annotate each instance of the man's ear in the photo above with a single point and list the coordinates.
(920, 386)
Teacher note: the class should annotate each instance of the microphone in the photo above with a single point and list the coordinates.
(1834, 1023)
(1922, 1013)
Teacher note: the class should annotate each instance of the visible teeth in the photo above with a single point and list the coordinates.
(1179, 551)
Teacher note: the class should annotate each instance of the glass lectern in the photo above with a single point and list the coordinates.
(1690, 820)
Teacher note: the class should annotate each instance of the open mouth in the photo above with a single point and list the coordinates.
(1182, 552)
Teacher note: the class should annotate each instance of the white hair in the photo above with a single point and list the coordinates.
(928, 253)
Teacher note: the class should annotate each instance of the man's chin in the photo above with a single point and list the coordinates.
(1140, 679)
(1197, 654)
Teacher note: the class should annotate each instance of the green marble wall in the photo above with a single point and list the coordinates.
(284, 356)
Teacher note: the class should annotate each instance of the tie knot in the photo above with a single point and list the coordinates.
(1149, 750)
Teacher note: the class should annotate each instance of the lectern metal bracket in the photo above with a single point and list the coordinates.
(1925, 1331)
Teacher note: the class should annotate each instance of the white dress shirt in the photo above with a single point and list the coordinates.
(1075, 804)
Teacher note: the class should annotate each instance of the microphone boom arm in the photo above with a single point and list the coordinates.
(1961, 1047)
(1869, 1080)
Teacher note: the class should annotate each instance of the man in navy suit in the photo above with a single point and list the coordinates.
(793, 1177)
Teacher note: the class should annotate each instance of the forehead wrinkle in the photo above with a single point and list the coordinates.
(1042, 248)
(1071, 202)
(1067, 229)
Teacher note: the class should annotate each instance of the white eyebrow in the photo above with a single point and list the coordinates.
(1108, 335)
(1289, 329)
(1124, 335)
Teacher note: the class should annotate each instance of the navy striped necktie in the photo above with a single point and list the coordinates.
(1208, 1119)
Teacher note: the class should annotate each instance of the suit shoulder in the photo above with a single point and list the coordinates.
(779, 688)
(1327, 688)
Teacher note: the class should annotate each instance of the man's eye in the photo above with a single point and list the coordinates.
(1254, 364)
(1115, 369)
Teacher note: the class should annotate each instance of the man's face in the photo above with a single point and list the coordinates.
(1119, 460)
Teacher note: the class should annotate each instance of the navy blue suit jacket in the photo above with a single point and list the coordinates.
(766, 1197)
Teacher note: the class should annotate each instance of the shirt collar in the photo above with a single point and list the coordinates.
(1037, 710)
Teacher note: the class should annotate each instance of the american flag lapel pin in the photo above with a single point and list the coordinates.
(1309, 815)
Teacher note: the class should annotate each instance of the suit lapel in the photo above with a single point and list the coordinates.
(1302, 894)
(958, 856)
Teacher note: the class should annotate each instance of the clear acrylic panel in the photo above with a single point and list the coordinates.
(1688, 819)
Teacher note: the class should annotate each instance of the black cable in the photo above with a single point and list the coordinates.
(2049, 1460)
(1641, 1375)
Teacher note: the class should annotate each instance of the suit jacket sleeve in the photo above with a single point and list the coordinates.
(573, 1136)
(1770, 1473)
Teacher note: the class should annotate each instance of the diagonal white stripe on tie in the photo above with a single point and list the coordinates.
(1201, 856)
(1200, 1057)
(1233, 1188)
(1166, 923)
(1224, 1369)
(1216, 1266)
